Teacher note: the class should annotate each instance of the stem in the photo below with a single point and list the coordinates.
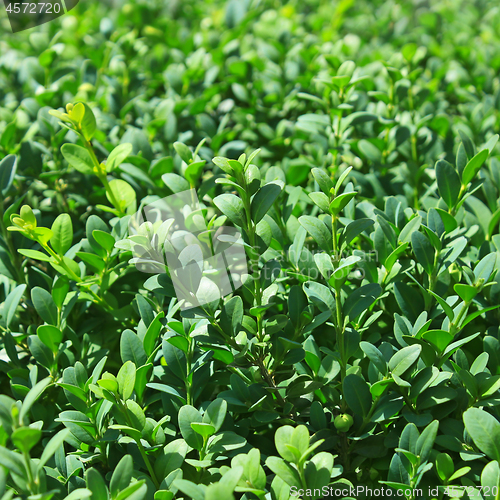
(453, 211)
(265, 373)
(10, 246)
(31, 480)
(455, 325)
(303, 480)
(141, 447)
(189, 357)
(111, 195)
(334, 238)
(60, 261)
(338, 310)
(102, 175)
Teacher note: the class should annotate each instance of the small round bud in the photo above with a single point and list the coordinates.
(343, 422)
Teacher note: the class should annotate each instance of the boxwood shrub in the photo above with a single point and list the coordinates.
(352, 146)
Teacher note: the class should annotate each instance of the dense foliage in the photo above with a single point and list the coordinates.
(353, 146)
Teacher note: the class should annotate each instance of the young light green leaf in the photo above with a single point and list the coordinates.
(62, 237)
(473, 166)
(78, 157)
(448, 182)
(232, 207)
(118, 156)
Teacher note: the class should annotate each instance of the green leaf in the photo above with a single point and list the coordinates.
(320, 295)
(444, 466)
(7, 173)
(13, 462)
(126, 380)
(283, 441)
(284, 471)
(183, 151)
(51, 336)
(412, 226)
(62, 237)
(232, 207)
(11, 303)
(124, 194)
(492, 224)
(24, 438)
(467, 143)
(188, 415)
(231, 317)
(318, 231)
(490, 480)
(341, 179)
(423, 250)
(473, 166)
(466, 292)
(485, 267)
(394, 256)
(32, 396)
(492, 142)
(175, 182)
(375, 356)
(44, 305)
(216, 413)
(357, 394)
(52, 446)
(388, 230)
(361, 299)
(354, 229)
(118, 155)
(42, 354)
(439, 338)
(132, 349)
(264, 199)
(136, 415)
(152, 333)
(321, 200)
(484, 429)
(203, 429)
(409, 300)
(35, 254)
(87, 123)
(96, 484)
(449, 222)
(79, 494)
(78, 157)
(193, 172)
(92, 260)
(340, 201)
(106, 240)
(324, 181)
(190, 489)
(448, 182)
(401, 361)
(121, 475)
(425, 442)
